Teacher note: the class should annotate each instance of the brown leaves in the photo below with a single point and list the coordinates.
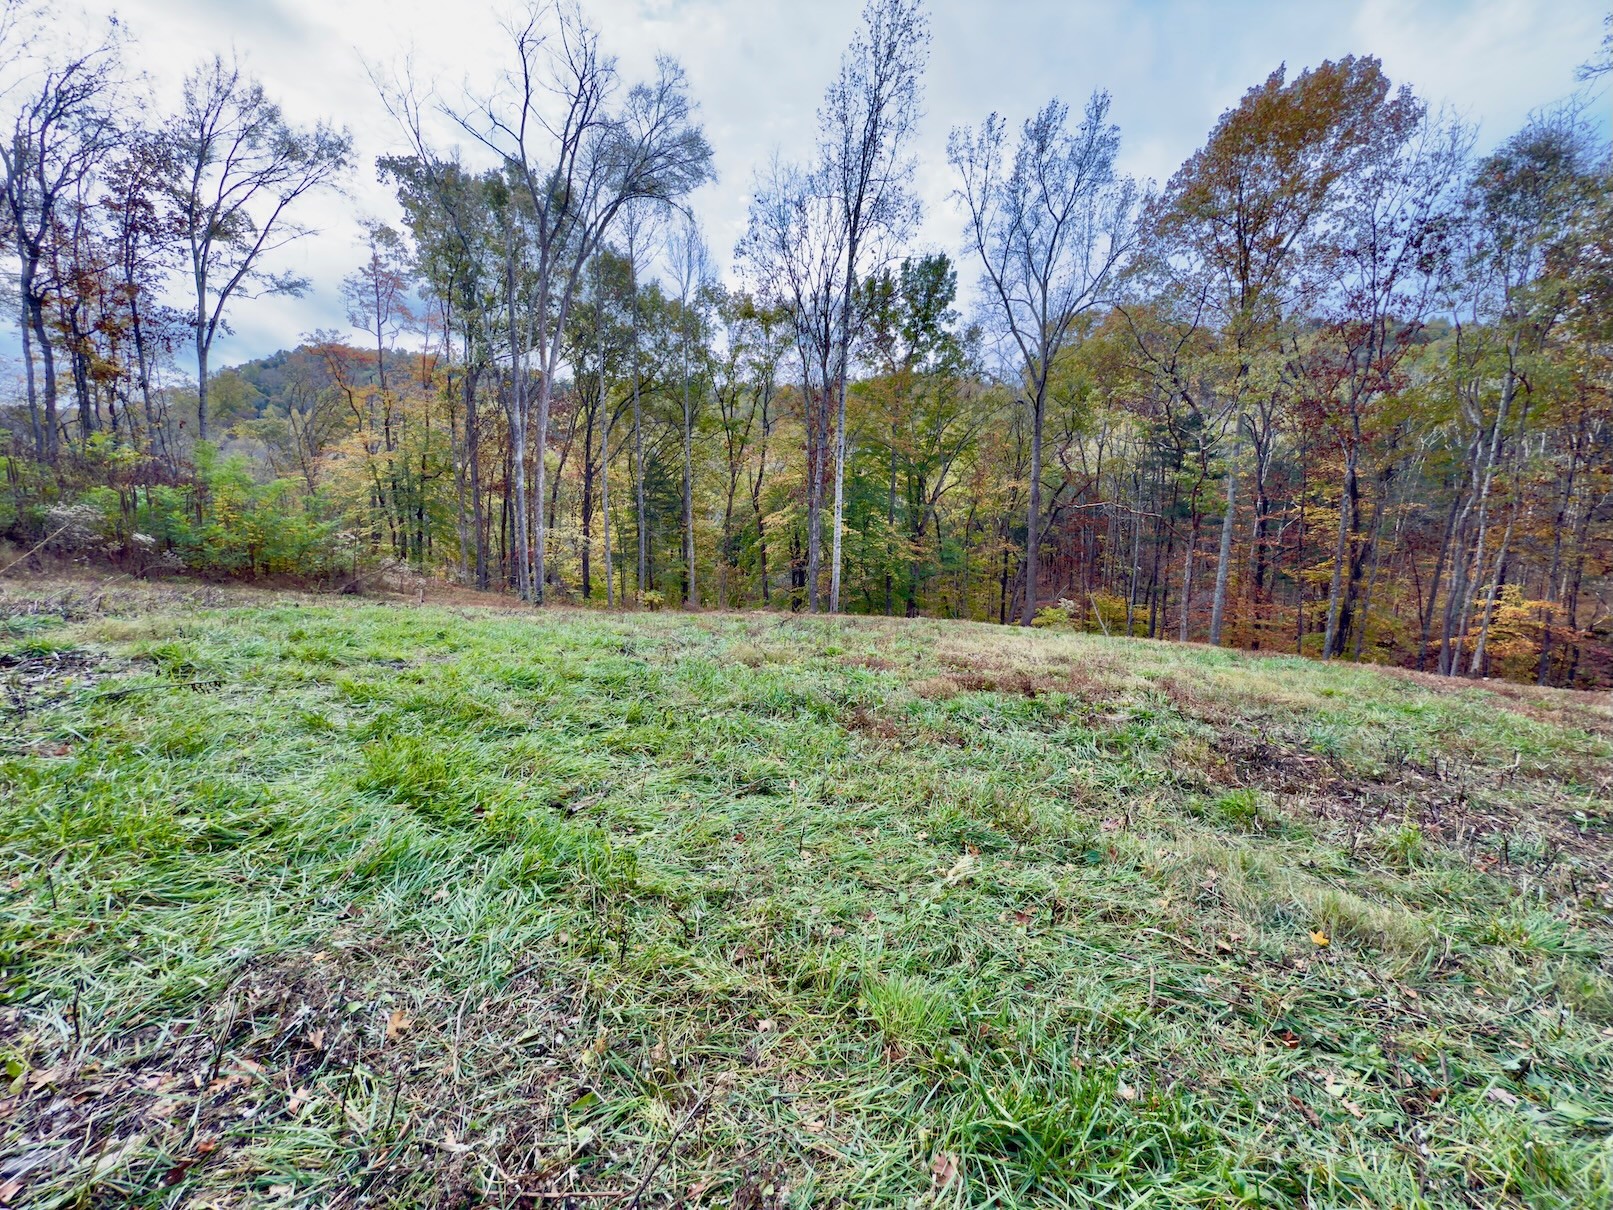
(943, 1170)
(397, 1023)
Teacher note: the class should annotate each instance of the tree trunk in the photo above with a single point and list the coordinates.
(1224, 560)
(1335, 596)
(1033, 537)
(691, 598)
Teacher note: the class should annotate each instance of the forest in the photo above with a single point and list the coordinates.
(1341, 386)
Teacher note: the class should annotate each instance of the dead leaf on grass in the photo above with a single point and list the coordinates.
(943, 1169)
(397, 1021)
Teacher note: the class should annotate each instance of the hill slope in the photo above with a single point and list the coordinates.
(334, 904)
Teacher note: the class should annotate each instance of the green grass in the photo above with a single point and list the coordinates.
(338, 904)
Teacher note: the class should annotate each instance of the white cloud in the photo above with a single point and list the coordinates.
(759, 68)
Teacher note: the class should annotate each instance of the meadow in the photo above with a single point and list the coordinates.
(330, 902)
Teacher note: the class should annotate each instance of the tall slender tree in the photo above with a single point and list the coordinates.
(1051, 229)
(243, 170)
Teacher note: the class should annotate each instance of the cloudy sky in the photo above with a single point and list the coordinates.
(758, 68)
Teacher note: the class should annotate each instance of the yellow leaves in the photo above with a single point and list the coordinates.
(595, 1050)
(1320, 939)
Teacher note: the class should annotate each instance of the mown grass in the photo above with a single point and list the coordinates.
(346, 904)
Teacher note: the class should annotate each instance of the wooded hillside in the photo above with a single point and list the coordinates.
(1342, 385)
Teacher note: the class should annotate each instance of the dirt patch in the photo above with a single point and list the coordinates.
(36, 680)
(140, 1109)
(1028, 676)
(483, 1099)
(862, 721)
(874, 663)
(1453, 804)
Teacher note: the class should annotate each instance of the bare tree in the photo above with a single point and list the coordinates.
(1051, 230)
(792, 251)
(58, 126)
(377, 293)
(865, 125)
(243, 169)
(581, 155)
(1388, 254)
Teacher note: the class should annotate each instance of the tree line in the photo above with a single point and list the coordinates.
(1340, 386)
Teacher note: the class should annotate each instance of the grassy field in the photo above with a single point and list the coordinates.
(314, 903)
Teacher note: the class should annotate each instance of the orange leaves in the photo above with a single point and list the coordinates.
(397, 1023)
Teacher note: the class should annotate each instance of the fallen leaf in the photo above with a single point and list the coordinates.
(1125, 1091)
(316, 1038)
(765, 1026)
(298, 1099)
(206, 1145)
(1500, 1096)
(1023, 918)
(9, 1190)
(1320, 939)
(1110, 825)
(396, 1022)
(943, 1169)
(1309, 1114)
